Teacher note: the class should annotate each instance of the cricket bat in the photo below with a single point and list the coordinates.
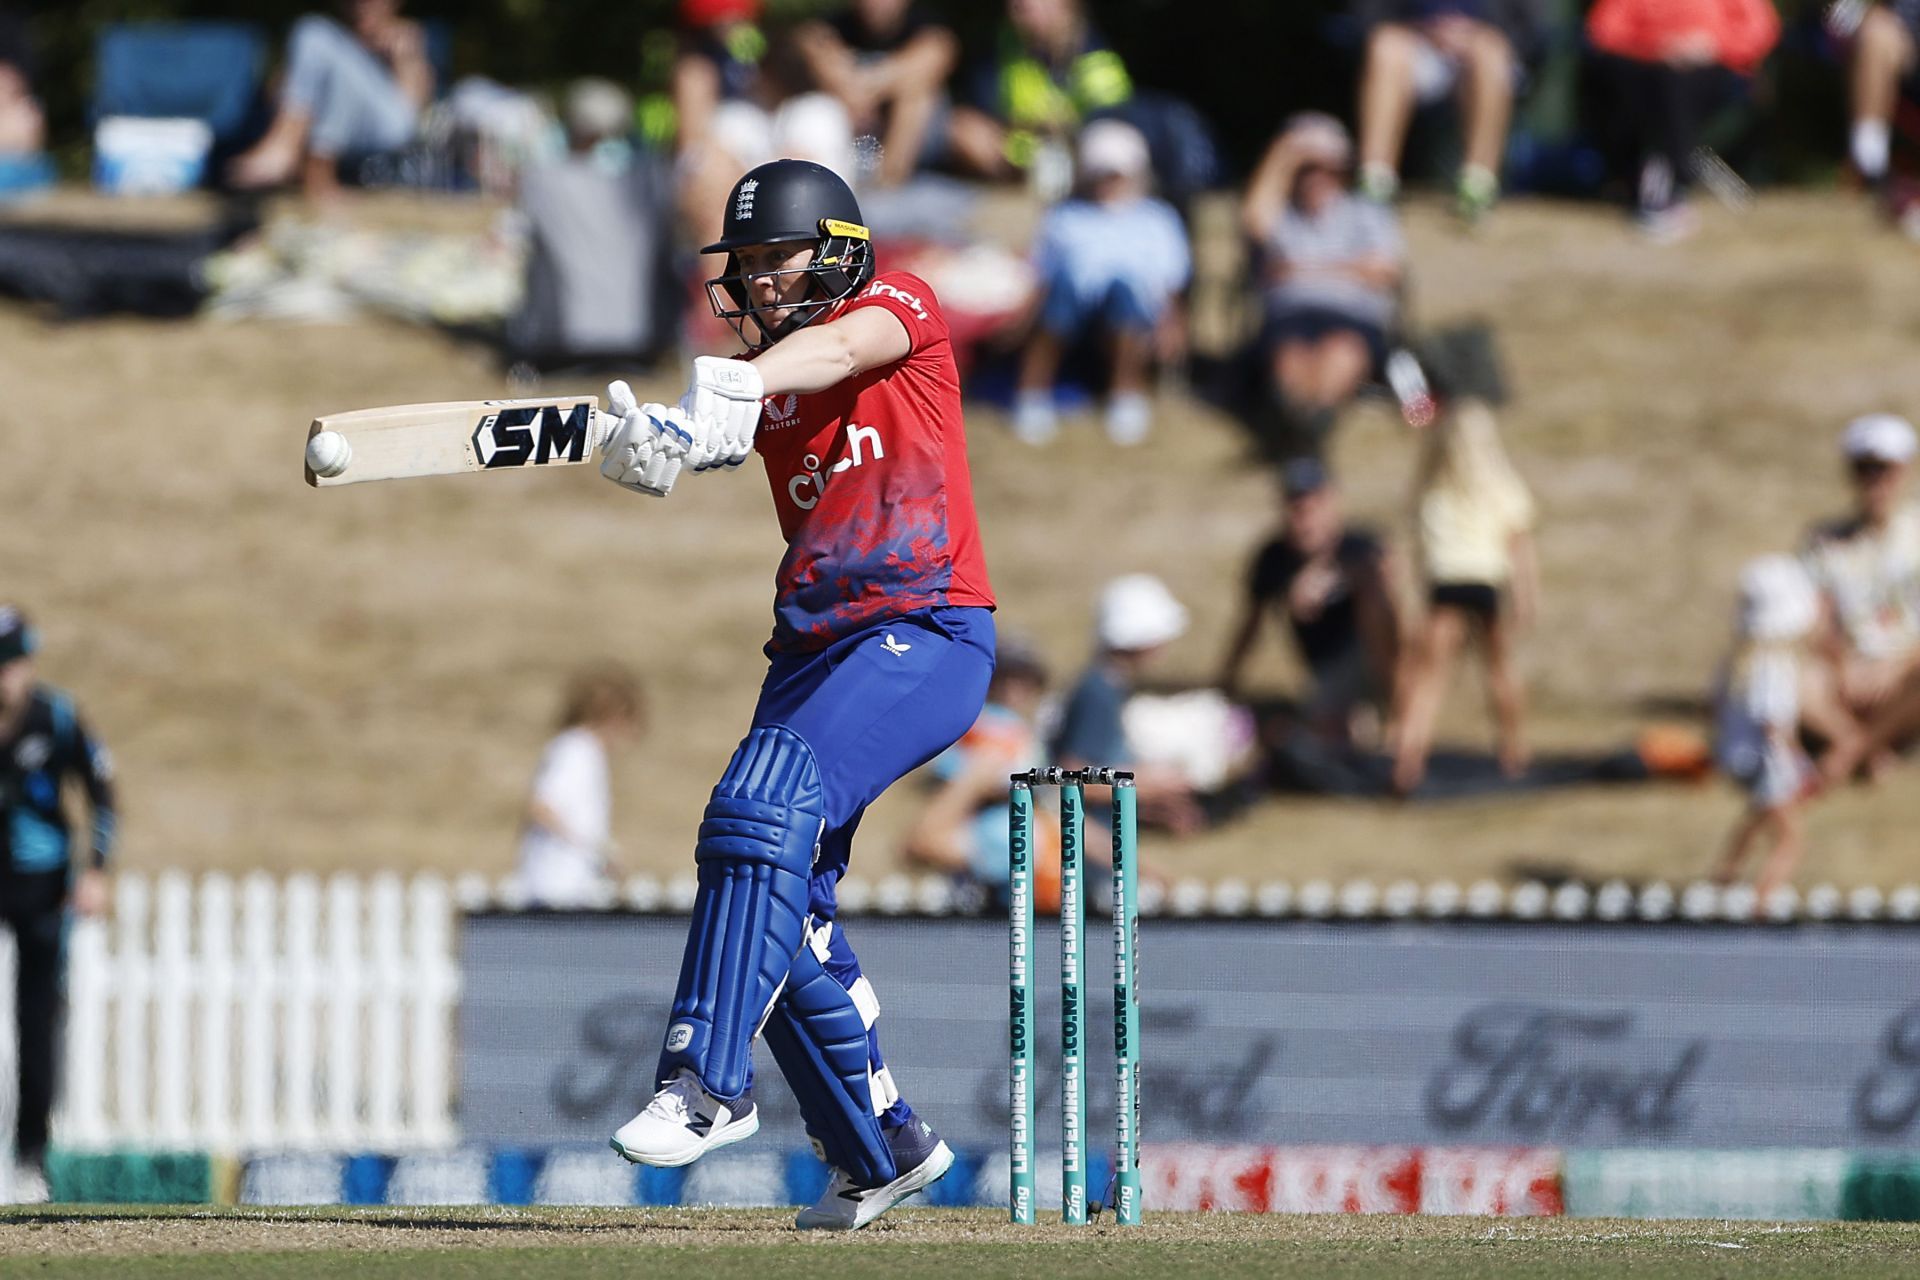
(404, 440)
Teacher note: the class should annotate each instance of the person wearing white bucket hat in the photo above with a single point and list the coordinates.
(1867, 567)
(1759, 708)
(1135, 620)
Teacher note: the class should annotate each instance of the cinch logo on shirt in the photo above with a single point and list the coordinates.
(805, 489)
(884, 289)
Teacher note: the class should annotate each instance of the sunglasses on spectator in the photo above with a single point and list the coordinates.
(1869, 468)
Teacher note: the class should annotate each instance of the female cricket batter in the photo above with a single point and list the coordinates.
(881, 652)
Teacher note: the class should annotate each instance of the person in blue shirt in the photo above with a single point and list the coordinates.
(1115, 258)
(43, 744)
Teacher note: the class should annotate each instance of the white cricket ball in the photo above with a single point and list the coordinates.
(328, 453)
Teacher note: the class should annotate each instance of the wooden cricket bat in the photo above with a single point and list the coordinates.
(404, 440)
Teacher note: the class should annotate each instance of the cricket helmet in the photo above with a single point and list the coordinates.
(782, 202)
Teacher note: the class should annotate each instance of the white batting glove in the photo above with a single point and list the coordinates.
(646, 447)
(723, 405)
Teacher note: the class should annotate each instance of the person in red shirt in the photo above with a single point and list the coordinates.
(881, 654)
(1671, 63)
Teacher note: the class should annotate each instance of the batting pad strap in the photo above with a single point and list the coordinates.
(820, 1041)
(754, 857)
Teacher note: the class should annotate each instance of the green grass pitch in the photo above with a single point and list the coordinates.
(189, 1243)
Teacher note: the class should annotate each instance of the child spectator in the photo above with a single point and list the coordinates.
(1419, 52)
(1669, 64)
(733, 113)
(1757, 706)
(887, 62)
(963, 828)
(1137, 618)
(566, 836)
(1051, 71)
(1867, 567)
(350, 88)
(1332, 266)
(1473, 521)
(1113, 257)
(1329, 586)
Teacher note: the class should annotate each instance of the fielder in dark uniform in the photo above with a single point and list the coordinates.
(42, 744)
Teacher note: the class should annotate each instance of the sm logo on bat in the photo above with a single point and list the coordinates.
(533, 434)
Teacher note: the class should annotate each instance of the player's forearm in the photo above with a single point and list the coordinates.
(827, 355)
(807, 361)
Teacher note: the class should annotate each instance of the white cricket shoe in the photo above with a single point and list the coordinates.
(683, 1123)
(848, 1206)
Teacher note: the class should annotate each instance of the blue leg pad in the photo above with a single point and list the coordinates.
(755, 856)
(819, 1038)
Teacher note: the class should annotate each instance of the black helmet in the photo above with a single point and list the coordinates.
(780, 202)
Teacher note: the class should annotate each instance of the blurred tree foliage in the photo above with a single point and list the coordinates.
(1246, 64)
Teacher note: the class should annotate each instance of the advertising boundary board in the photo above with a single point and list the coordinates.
(1417, 1034)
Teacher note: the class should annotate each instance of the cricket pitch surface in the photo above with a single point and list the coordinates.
(716, 1244)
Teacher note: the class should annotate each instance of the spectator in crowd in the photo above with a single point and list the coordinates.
(1113, 257)
(1330, 587)
(1052, 71)
(1884, 54)
(350, 88)
(566, 843)
(43, 744)
(599, 278)
(1473, 522)
(1758, 709)
(23, 128)
(1867, 568)
(1332, 270)
(1419, 52)
(734, 113)
(1669, 63)
(1895, 727)
(887, 63)
(1137, 618)
(963, 829)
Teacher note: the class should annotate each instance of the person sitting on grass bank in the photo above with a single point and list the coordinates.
(1137, 618)
(1867, 567)
(1114, 258)
(1330, 586)
(350, 88)
(1332, 277)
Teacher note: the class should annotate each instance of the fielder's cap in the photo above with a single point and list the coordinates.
(1138, 612)
(1110, 148)
(1302, 476)
(17, 638)
(1882, 437)
(1777, 599)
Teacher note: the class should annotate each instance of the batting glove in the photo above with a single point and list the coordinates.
(644, 450)
(723, 405)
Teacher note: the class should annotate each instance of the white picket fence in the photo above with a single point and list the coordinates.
(261, 1014)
